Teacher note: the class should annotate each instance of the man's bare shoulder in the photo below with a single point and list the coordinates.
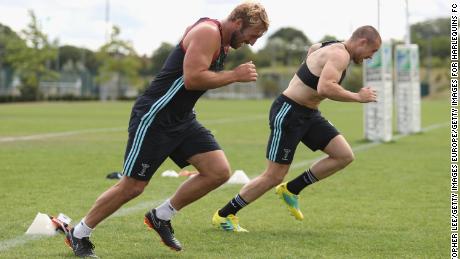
(204, 34)
(338, 55)
(313, 48)
(205, 30)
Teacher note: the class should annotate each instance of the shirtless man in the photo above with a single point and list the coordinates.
(294, 118)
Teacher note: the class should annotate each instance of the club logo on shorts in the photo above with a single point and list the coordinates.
(144, 168)
(286, 154)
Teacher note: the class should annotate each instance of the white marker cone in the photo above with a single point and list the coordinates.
(42, 225)
(170, 173)
(239, 177)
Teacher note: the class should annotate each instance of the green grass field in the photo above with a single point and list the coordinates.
(391, 202)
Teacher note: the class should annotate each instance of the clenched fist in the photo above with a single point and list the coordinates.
(246, 72)
(367, 94)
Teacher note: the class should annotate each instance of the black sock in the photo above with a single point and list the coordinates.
(302, 181)
(233, 206)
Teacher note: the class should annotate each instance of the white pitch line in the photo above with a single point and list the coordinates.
(57, 134)
(124, 211)
(97, 130)
(20, 240)
(17, 241)
(231, 120)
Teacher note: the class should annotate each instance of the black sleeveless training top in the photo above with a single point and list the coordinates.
(167, 91)
(310, 79)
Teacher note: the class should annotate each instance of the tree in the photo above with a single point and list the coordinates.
(144, 71)
(288, 46)
(159, 56)
(31, 57)
(432, 36)
(328, 37)
(70, 54)
(288, 34)
(145, 66)
(119, 61)
(239, 56)
(354, 79)
(90, 61)
(262, 58)
(6, 34)
(78, 56)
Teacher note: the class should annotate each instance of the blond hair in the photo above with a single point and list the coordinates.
(251, 13)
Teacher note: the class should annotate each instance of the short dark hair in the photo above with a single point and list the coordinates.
(366, 32)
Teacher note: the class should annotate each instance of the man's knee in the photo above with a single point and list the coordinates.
(212, 165)
(217, 174)
(345, 159)
(136, 191)
(221, 174)
(275, 174)
(132, 188)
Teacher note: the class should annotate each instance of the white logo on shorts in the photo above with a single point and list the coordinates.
(286, 153)
(144, 168)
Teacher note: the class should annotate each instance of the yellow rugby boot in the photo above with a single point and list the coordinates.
(290, 199)
(229, 223)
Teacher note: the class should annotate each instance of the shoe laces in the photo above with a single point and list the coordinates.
(167, 223)
(234, 219)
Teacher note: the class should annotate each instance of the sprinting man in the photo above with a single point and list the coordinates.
(294, 118)
(163, 124)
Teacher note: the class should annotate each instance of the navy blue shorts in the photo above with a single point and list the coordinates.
(291, 123)
(152, 140)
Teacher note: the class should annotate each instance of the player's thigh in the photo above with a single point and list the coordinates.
(212, 162)
(320, 133)
(146, 150)
(286, 131)
(201, 149)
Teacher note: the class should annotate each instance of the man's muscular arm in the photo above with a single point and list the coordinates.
(201, 43)
(329, 87)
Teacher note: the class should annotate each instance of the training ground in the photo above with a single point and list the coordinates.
(391, 202)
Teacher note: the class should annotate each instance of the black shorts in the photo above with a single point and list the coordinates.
(151, 142)
(291, 123)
